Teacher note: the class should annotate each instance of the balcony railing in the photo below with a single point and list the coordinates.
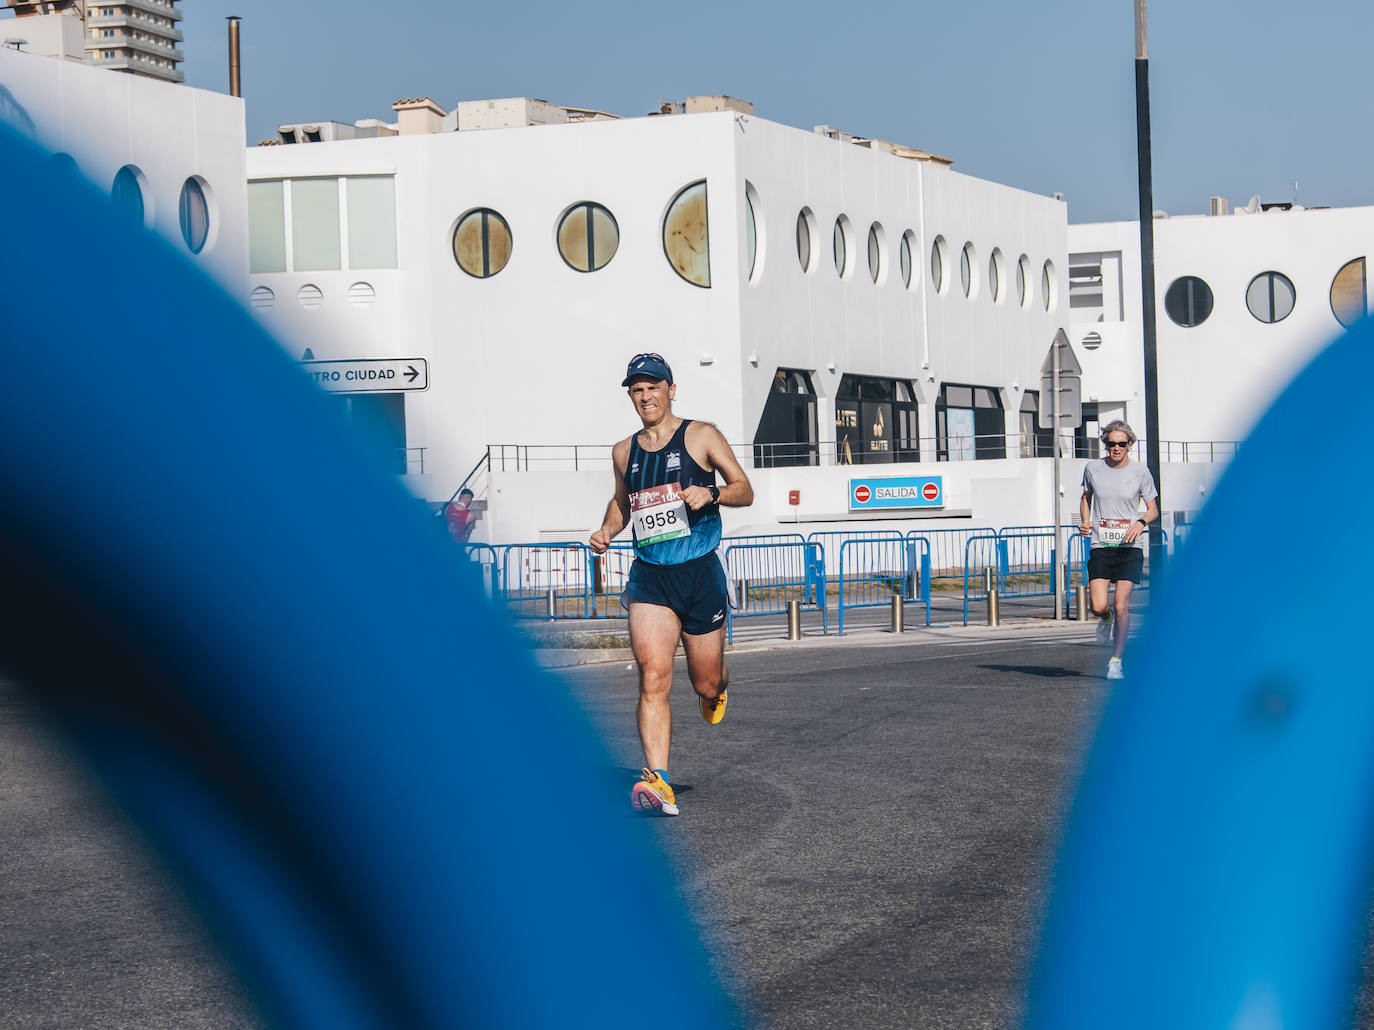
(583, 457)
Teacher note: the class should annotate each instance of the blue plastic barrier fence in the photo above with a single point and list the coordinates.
(764, 577)
(873, 567)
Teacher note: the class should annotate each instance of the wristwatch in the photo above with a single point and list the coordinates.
(715, 493)
(1143, 523)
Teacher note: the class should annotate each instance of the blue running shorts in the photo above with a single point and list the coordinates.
(695, 591)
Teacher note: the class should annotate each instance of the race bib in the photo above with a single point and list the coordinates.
(1112, 532)
(658, 513)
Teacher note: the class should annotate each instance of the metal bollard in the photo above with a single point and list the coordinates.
(794, 619)
(990, 588)
(898, 613)
(1082, 592)
(551, 607)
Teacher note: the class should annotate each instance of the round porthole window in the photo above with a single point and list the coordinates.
(1188, 301)
(588, 236)
(1271, 297)
(482, 243)
(195, 215)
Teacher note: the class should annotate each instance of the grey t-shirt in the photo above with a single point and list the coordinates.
(1116, 496)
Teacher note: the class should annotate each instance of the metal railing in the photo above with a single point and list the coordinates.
(597, 457)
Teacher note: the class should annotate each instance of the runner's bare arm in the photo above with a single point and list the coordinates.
(618, 510)
(706, 441)
(1085, 513)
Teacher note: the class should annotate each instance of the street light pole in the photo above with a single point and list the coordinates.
(1147, 277)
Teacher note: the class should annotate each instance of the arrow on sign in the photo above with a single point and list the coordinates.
(411, 372)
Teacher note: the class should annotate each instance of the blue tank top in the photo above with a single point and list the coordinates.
(672, 464)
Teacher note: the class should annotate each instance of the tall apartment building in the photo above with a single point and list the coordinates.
(135, 36)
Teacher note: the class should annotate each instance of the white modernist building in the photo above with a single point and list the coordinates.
(1243, 302)
(169, 156)
(829, 303)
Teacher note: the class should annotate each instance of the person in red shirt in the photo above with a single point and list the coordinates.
(460, 516)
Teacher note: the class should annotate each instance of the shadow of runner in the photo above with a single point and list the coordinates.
(1046, 671)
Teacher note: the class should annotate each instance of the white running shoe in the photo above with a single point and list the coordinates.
(1114, 669)
(1104, 629)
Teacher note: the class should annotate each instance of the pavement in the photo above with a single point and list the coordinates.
(864, 840)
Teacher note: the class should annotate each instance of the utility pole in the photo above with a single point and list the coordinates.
(1147, 279)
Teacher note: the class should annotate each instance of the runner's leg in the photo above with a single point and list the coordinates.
(706, 662)
(1097, 596)
(654, 631)
(1122, 606)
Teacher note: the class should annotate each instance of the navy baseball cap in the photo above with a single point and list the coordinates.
(651, 365)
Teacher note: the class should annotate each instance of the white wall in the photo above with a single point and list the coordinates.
(1216, 379)
(105, 120)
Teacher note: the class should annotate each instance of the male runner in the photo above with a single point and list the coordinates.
(1109, 513)
(665, 486)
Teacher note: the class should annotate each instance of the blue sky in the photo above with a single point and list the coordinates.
(1245, 97)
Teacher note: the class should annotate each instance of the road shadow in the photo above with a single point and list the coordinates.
(1043, 671)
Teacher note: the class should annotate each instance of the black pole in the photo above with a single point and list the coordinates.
(1147, 282)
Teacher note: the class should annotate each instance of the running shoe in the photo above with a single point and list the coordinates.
(1104, 629)
(652, 794)
(713, 711)
(1114, 669)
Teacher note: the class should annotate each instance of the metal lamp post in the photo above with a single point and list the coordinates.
(1147, 277)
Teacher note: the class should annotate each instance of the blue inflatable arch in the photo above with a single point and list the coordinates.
(282, 670)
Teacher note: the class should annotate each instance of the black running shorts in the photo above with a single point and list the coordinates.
(694, 590)
(1116, 564)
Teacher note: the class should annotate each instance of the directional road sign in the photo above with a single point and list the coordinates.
(1069, 386)
(369, 375)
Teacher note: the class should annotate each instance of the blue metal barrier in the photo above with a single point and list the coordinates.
(1027, 564)
(946, 552)
(872, 568)
(484, 557)
(831, 540)
(918, 570)
(609, 573)
(547, 580)
(764, 577)
(980, 553)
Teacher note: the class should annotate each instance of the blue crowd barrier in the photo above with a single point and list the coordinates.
(765, 577)
(981, 552)
(547, 580)
(873, 567)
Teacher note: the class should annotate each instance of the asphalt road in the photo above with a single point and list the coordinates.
(866, 834)
(864, 839)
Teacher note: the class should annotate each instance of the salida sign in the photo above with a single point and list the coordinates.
(897, 492)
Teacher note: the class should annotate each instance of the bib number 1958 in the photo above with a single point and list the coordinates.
(658, 513)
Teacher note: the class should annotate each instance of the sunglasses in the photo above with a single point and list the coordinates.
(650, 355)
(1117, 443)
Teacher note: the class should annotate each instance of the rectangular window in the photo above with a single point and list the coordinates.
(266, 227)
(315, 224)
(371, 221)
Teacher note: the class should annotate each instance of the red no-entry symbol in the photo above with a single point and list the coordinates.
(930, 491)
(862, 494)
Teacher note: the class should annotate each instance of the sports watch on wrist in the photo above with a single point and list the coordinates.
(715, 493)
